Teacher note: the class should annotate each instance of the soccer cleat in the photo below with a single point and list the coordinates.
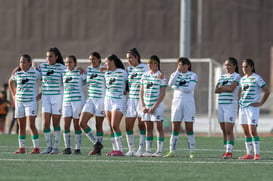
(98, 146)
(245, 157)
(35, 151)
(139, 153)
(117, 153)
(54, 151)
(67, 151)
(47, 151)
(169, 155)
(110, 153)
(97, 149)
(130, 153)
(227, 155)
(257, 157)
(192, 155)
(157, 154)
(146, 154)
(77, 152)
(20, 151)
(95, 152)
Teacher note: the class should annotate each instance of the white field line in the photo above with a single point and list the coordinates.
(146, 161)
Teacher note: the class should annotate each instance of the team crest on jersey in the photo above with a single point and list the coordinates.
(253, 120)
(149, 85)
(24, 81)
(33, 112)
(134, 75)
(225, 82)
(50, 72)
(245, 87)
(94, 75)
(182, 82)
(68, 79)
(112, 80)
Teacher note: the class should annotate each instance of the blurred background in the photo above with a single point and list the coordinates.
(217, 29)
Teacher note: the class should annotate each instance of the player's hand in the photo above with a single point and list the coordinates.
(161, 75)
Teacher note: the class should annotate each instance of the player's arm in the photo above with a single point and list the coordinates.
(264, 98)
(224, 88)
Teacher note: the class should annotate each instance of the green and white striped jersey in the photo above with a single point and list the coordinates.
(226, 80)
(26, 90)
(73, 85)
(134, 76)
(116, 83)
(251, 88)
(151, 87)
(51, 78)
(183, 84)
(95, 82)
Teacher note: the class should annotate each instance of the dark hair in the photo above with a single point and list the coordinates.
(234, 62)
(58, 54)
(27, 57)
(73, 58)
(155, 58)
(96, 54)
(117, 61)
(185, 60)
(250, 62)
(135, 53)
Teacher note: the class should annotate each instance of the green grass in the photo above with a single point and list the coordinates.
(206, 166)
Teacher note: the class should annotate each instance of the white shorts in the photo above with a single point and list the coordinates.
(95, 106)
(133, 108)
(52, 104)
(25, 109)
(182, 110)
(158, 114)
(72, 109)
(249, 115)
(227, 113)
(112, 104)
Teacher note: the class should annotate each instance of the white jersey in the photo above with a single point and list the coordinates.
(134, 76)
(95, 82)
(26, 90)
(73, 82)
(151, 87)
(227, 80)
(251, 89)
(183, 84)
(116, 83)
(51, 78)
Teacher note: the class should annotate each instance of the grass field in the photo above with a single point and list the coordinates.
(206, 166)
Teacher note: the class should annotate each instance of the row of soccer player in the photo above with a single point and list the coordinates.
(145, 85)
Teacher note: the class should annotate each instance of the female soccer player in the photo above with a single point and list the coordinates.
(25, 96)
(73, 98)
(52, 97)
(115, 100)
(152, 92)
(94, 105)
(228, 87)
(251, 87)
(135, 71)
(183, 82)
